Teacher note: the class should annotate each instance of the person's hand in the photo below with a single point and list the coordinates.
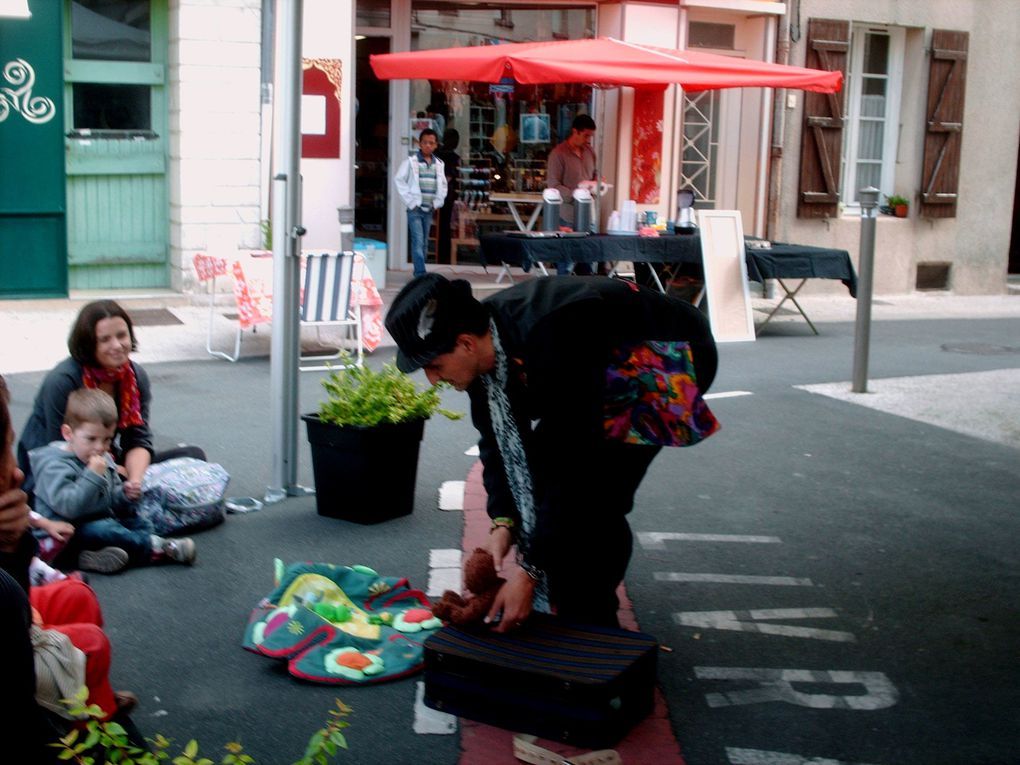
(132, 490)
(498, 545)
(62, 531)
(13, 513)
(513, 601)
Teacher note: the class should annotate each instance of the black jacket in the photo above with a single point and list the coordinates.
(558, 334)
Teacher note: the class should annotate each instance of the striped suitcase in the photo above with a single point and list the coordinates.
(583, 685)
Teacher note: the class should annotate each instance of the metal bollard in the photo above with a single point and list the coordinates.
(862, 327)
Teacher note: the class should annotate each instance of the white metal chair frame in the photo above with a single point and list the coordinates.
(327, 299)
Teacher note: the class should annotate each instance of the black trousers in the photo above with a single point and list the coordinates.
(591, 541)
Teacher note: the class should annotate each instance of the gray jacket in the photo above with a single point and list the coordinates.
(66, 490)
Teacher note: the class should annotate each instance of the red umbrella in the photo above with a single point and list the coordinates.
(602, 61)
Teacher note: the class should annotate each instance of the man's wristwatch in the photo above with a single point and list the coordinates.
(533, 572)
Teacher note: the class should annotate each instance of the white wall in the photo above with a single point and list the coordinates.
(976, 242)
(215, 128)
(329, 183)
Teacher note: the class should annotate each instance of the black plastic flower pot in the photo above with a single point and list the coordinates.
(364, 475)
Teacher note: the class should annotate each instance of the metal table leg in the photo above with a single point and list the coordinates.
(790, 295)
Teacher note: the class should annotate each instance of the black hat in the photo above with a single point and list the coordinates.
(426, 317)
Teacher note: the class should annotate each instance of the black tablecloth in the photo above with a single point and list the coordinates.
(781, 261)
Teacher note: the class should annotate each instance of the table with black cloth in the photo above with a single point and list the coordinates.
(779, 261)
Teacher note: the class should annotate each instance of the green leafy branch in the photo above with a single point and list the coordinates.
(107, 742)
(365, 397)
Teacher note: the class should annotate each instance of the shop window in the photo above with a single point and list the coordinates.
(704, 34)
(495, 138)
(874, 83)
(112, 107)
(111, 30)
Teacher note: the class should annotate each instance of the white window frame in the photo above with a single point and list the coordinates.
(851, 133)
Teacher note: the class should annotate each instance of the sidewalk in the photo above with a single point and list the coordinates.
(35, 331)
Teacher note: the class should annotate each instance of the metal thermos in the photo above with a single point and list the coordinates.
(582, 210)
(685, 212)
(551, 202)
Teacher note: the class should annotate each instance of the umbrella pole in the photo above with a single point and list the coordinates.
(598, 159)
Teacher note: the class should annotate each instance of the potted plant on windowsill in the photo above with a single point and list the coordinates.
(899, 205)
(365, 440)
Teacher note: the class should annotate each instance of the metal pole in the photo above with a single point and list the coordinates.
(862, 330)
(287, 233)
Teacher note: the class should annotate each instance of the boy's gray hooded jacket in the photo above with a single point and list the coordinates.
(66, 490)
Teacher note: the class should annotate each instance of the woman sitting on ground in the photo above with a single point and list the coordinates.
(100, 343)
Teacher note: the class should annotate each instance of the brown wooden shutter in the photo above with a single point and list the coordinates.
(828, 42)
(947, 81)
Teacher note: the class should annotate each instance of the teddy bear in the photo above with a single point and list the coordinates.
(481, 581)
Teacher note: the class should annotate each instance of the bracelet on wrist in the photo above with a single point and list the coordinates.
(502, 523)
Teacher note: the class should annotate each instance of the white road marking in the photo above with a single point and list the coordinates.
(448, 558)
(451, 495)
(777, 685)
(728, 394)
(430, 721)
(443, 579)
(473, 451)
(653, 540)
(749, 621)
(775, 581)
(738, 756)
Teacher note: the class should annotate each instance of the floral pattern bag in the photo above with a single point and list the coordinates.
(341, 624)
(652, 397)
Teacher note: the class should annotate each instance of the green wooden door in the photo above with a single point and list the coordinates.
(32, 256)
(116, 143)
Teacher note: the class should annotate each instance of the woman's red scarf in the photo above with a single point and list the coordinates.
(123, 377)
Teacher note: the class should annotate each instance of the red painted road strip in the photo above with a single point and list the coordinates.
(652, 740)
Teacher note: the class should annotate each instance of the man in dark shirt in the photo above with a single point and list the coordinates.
(541, 362)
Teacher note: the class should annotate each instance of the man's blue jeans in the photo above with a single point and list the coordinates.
(419, 222)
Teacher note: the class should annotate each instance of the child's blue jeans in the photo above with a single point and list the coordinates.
(133, 535)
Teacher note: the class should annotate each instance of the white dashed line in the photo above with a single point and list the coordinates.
(775, 581)
(451, 495)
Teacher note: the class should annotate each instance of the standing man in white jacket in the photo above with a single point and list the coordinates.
(421, 184)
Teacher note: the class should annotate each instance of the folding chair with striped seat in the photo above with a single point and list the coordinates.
(327, 301)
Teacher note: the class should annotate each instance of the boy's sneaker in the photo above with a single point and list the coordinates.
(180, 550)
(109, 560)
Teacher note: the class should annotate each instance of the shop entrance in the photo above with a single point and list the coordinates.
(371, 147)
(495, 138)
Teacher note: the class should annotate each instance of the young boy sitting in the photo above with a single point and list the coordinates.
(76, 481)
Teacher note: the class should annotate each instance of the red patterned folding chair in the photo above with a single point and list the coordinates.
(251, 299)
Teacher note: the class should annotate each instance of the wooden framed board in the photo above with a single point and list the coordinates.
(722, 256)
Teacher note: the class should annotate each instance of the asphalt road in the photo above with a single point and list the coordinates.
(856, 601)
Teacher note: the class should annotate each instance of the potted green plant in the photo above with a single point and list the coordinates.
(365, 440)
(900, 205)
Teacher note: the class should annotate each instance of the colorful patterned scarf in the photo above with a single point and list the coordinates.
(515, 461)
(130, 404)
(652, 397)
